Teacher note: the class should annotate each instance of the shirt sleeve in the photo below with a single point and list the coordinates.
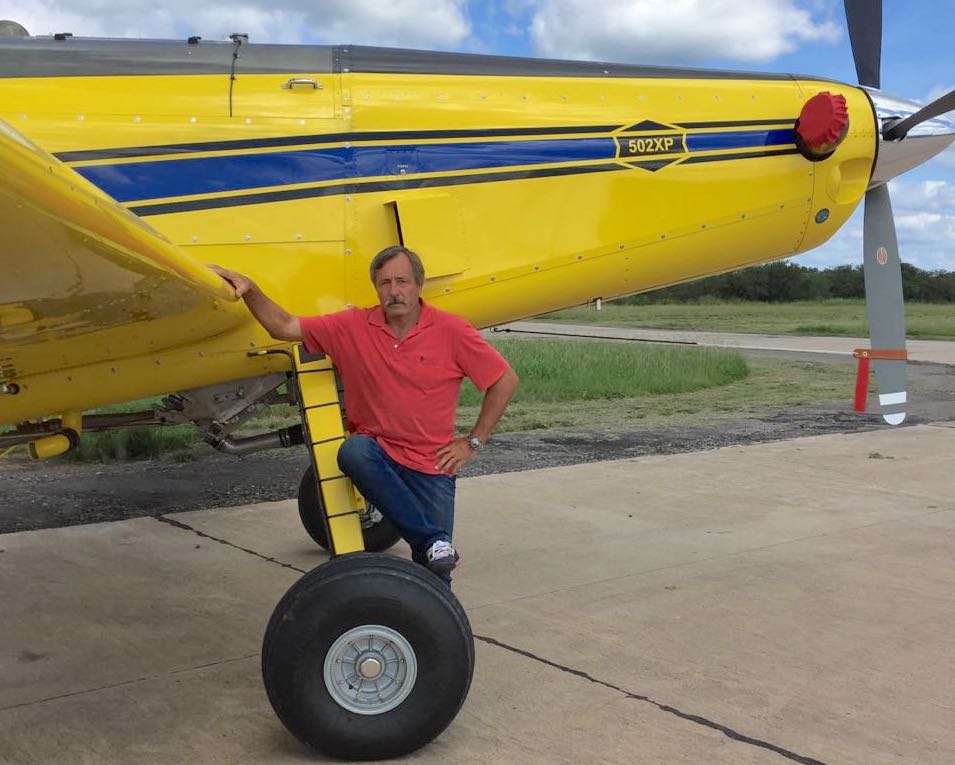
(477, 358)
(323, 334)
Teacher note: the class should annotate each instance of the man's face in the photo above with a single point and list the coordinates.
(398, 292)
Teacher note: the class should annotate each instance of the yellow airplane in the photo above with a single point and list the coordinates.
(526, 185)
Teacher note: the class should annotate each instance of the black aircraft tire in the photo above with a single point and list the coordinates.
(328, 620)
(378, 538)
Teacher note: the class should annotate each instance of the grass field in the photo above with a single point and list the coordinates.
(568, 384)
(934, 321)
(771, 384)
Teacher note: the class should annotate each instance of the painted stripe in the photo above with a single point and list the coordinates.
(160, 179)
(360, 187)
(741, 155)
(887, 399)
(735, 123)
(88, 155)
(321, 138)
(896, 418)
(738, 139)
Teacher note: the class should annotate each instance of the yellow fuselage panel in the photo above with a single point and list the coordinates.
(526, 193)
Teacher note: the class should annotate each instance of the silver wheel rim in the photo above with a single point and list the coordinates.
(370, 669)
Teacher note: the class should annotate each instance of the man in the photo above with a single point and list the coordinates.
(402, 363)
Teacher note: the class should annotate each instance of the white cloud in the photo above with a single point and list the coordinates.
(937, 92)
(408, 23)
(675, 30)
(916, 222)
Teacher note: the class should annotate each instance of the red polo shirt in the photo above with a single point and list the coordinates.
(404, 393)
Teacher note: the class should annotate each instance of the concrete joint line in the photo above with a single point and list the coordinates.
(697, 719)
(123, 683)
(226, 542)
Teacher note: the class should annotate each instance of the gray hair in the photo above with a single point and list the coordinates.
(391, 252)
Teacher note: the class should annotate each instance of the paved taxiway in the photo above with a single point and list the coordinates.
(934, 351)
(789, 602)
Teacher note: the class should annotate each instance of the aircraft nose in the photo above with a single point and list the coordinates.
(921, 143)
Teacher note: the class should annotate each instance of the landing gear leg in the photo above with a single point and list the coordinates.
(367, 656)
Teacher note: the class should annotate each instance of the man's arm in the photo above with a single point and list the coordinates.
(278, 322)
(458, 453)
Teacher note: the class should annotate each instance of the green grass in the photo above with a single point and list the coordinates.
(771, 384)
(138, 443)
(553, 371)
(822, 317)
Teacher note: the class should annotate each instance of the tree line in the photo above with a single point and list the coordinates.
(782, 281)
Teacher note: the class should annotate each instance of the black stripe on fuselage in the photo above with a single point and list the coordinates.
(744, 155)
(734, 123)
(382, 135)
(295, 140)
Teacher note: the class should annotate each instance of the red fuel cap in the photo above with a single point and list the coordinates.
(822, 121)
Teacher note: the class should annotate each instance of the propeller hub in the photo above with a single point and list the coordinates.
(822, 124)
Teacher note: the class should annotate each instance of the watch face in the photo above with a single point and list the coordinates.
(475, 444)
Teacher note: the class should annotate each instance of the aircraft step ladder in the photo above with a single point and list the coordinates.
(321, 410)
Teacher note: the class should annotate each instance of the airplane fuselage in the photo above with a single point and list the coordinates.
(526, 186)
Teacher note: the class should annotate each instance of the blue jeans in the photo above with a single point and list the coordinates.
(420, 505)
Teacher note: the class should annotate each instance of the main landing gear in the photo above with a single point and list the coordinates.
(367, 656)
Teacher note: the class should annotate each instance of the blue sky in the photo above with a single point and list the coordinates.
(798, 36)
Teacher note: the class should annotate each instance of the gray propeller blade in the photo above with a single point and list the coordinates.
(884, 305)
(864, 18)
(939, 106)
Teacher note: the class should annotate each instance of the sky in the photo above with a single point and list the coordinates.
(796, 36)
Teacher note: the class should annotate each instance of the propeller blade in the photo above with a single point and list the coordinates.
(884, 306)
(939, 106)
(864, 18)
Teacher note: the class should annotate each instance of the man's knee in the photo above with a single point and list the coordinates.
(355, 451)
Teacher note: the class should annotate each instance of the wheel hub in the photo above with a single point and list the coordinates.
(370, 669)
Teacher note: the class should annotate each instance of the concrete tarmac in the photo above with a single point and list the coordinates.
(781, 603)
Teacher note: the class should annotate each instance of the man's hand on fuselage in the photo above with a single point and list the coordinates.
(239, 282)
(278, 322)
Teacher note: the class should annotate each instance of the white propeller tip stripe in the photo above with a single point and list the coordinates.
(887, 399)
(894, 419)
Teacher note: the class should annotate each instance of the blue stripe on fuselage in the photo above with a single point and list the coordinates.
(137, 181)
(741, 139)
(170, 178)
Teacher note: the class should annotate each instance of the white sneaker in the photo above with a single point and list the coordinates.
(442, 557)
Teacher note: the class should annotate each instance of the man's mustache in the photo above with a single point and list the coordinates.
(395, 301)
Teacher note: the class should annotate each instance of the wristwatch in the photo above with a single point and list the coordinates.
(475, 443)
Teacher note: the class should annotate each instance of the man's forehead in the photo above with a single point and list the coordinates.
(397, 266)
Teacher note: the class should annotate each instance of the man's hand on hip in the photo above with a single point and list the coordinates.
(454, 455)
